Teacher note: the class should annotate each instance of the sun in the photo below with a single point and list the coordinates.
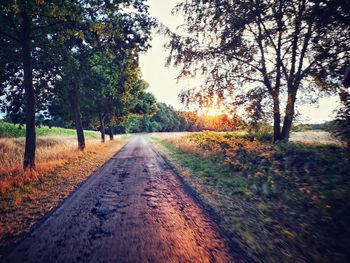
(212, 111)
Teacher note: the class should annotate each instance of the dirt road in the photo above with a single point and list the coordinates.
(134, 209)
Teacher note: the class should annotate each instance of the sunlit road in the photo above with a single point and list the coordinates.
(134, 209)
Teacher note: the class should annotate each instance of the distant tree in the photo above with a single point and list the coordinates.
(144, 102)
(261, 52)
(190, 120)
(167, 117)
(116, 90)
(101, 84)
(150, 116)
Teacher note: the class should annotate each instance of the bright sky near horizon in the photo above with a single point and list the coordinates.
(162, 79)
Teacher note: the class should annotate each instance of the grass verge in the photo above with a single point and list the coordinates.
(280, 203)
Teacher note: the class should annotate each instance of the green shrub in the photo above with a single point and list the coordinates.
(11, 130)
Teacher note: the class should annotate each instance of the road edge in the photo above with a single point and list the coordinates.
(237, 252)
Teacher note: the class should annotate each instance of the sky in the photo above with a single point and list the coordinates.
(165, 87)
(162, 80)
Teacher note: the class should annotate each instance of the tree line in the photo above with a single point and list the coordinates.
(72, 57)
(167, 119)
(148, 116)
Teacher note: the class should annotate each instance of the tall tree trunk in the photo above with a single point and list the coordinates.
(289, 114)
(102, 127)
(74, 102)
(276, 118)
(30, 143)
(110, 132)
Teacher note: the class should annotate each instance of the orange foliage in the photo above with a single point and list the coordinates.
(217, 122)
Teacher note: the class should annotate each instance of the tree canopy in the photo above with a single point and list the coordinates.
(48, 41)
(261, 54)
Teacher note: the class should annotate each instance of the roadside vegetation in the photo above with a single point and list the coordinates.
(55, 147)
(286, 202)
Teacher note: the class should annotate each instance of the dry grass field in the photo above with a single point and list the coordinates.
(313, 136)
(52, 151)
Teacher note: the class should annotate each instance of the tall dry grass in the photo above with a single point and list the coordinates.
(52, 151)
(184, 145)
(181, 141)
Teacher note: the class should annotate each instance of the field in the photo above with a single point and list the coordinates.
(9, 130)
(52, 151)
(55, 146)
(287, 202)
(315, 136)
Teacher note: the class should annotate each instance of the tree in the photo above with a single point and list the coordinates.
(144, 108)
(167, 117)
(25, 26)
(188, 120)
(112, 39)
(115, 90)
(69, 85)
(101, 82)
(265, 52)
